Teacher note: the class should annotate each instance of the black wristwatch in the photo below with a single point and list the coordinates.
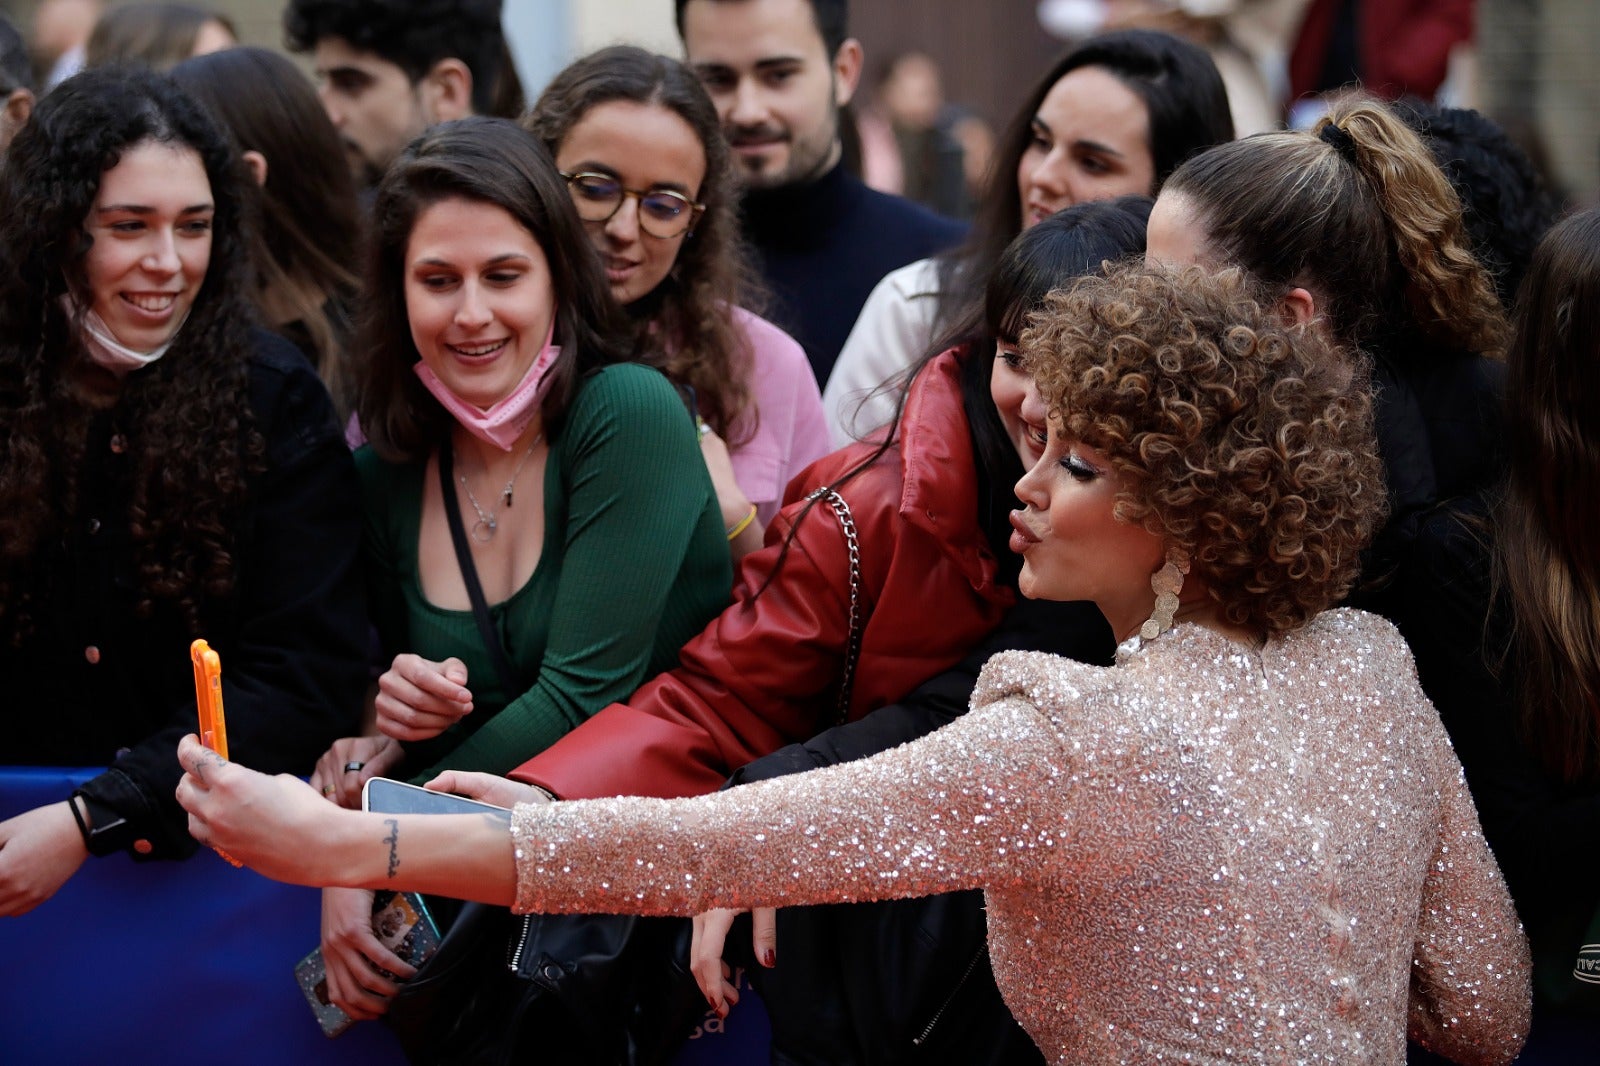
(106, 831)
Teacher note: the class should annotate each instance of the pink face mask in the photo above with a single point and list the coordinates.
(503, 423)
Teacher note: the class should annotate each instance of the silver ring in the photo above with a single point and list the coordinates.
(352, 767)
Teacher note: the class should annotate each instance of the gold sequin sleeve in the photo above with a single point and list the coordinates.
(954, 810)
(1469, 971)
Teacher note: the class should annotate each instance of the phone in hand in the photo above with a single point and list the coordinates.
(388, 796)
(208, 697)
(400, 920)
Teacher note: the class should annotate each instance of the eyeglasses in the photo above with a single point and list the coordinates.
(662, 213)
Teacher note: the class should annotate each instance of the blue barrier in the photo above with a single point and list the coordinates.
(135, 963)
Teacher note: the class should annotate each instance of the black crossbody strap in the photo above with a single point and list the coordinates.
(469, 574)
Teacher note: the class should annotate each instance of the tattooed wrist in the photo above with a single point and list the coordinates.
(393, 840)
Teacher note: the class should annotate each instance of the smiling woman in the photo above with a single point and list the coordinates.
(150, 233)
(1112, 117)
(479, 299)
(163, 466)
(541, 531)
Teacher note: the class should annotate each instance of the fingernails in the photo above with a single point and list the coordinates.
(769, 957)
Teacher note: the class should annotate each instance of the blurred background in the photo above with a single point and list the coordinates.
(942, 74)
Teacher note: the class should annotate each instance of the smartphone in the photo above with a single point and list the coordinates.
(208, 697)
(397, 797)
(401, 922)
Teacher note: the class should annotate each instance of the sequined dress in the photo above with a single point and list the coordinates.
(1206, 853)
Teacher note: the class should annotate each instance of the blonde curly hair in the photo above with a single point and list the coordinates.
(1243, 441)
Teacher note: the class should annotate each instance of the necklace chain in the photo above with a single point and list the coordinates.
(483, 532)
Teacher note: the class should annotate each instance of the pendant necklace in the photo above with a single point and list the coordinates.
(484, 529)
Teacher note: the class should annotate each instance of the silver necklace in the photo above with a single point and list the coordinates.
(484, 529)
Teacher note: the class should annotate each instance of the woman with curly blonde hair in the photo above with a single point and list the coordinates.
(1246, 839)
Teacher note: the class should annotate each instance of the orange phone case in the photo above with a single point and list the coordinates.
(208, 697)
(208, 706)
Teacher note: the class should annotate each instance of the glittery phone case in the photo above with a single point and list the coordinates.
(401, 922)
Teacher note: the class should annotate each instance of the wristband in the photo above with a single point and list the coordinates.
(743, 524)
(77, 816)
(105, 831)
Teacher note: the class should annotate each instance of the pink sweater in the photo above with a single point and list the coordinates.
(790, 430)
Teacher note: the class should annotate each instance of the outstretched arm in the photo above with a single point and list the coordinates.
(280, 827)
(972, 805)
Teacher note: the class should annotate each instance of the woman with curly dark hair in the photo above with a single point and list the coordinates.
(639, 144)
(166, 472)
(1246, 839)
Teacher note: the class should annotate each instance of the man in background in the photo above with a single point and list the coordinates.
(387, 71)
(779, 72)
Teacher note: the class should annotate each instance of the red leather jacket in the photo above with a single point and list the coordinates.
(766, 672)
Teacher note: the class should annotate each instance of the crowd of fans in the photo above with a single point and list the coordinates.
(618, 440)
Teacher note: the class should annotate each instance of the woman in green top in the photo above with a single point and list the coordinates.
(495, 385)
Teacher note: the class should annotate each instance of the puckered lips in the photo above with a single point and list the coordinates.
(1023, 536)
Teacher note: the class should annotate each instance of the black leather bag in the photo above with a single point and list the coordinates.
(557, 989)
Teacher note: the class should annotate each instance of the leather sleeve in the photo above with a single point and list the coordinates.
(756, 678)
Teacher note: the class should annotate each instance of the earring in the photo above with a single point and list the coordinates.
(1166, 583)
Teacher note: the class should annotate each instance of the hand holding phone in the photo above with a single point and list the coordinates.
(213, 728)
(399, 797)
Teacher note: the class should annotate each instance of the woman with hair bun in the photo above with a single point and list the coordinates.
(1205, 852)
(167, 472)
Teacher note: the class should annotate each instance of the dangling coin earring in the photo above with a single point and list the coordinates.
(1167, 583)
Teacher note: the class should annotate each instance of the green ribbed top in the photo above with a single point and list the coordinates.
(635, 562)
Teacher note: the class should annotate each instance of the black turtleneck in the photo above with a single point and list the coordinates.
(822, 247)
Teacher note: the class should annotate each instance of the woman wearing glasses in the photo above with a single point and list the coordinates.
(640, 147)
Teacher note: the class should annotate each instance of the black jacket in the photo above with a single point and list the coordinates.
(93, 685)
(903, 981)
(823, 247)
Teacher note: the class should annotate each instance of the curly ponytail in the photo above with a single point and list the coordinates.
(1451, 295)
(1359, 213)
